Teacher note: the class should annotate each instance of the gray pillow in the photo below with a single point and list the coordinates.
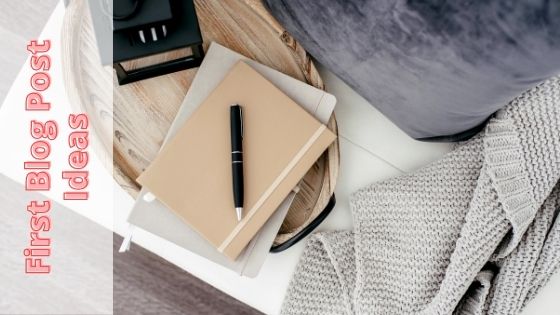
(436, 68)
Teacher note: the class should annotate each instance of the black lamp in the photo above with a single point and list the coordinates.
(142, 28)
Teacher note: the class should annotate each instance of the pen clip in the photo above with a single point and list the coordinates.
(241, 118)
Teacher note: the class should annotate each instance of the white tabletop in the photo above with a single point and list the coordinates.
(372, 149)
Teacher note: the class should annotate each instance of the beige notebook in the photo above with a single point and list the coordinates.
(192, 173)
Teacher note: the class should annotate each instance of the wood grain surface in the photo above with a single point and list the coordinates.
(141, 113)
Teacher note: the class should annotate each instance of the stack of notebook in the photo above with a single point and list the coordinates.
(186, 194)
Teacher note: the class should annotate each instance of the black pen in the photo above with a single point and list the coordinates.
(236, 124)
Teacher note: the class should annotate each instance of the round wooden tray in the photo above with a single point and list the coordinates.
(134, 126)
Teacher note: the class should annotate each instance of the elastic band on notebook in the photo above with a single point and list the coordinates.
(272, 188)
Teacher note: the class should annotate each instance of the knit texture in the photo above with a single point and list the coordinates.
(473, 233)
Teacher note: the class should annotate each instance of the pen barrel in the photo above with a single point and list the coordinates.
(236, 124)
(237, 172)
(236, 129)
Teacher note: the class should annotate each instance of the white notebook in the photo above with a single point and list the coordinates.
(151, 215)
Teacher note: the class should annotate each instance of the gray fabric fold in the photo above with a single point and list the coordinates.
(473, 233)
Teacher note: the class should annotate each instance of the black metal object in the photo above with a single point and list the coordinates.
(131, 11)
(158, 27)
(133, 29)
(192, 61)
(306, 230)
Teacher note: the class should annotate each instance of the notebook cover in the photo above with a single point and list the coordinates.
(192, 174)
(152, 216)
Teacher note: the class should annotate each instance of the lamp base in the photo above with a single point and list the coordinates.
(188, 62)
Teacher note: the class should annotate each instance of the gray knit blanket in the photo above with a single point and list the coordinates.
(476, 232)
